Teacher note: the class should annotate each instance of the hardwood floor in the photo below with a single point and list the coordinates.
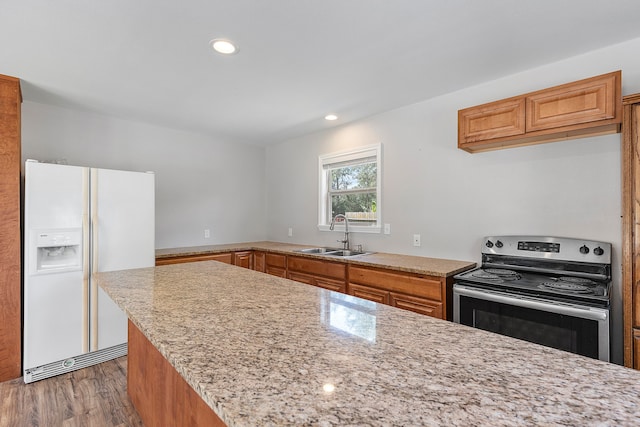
(94, 396)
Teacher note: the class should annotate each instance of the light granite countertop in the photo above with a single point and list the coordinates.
(413, 264)
(266, 351)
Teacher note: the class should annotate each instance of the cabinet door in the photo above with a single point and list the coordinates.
(494, 120)
(332, 285)
(585, 101)
(243, 259)
(300, 277)
(259, 261)
(276, 271)
(418, 305)
(371, 294)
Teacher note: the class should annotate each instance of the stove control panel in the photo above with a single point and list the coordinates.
(539, 246)
(560, 248)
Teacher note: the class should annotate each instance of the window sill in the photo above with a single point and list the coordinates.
(352, 228)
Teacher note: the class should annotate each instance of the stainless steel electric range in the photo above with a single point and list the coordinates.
(548, 290)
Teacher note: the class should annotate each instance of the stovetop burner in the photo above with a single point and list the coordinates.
(567, 287)
(503, 273)
(552, 286)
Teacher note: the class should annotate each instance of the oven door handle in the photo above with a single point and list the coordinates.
(584, 313)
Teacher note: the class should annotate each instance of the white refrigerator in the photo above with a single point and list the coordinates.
(79, 221)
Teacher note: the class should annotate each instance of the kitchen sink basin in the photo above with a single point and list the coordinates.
(318, 251)
(331, 252)
(346, 253)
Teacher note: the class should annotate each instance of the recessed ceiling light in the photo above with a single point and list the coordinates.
(223, 46)
(331, 117)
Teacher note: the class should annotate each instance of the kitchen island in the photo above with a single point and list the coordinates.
(262, 350)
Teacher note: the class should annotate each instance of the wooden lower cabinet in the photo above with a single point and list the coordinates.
(321, 273)
(416, 292)
(160, 395)
(367, 292)
(424, 294)
(417, 304)
(243, 259)
(276, 265)
(259, 261)
(226, 257)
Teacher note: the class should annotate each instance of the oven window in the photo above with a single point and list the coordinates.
(541, 327)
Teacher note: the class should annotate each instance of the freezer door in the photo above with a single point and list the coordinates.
(55, 299)
(123, 233)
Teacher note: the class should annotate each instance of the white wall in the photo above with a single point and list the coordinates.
(453, 198)
(200, 183)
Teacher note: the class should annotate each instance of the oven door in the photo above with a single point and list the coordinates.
(575, 328)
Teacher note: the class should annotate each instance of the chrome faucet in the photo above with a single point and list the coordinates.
(345, 243)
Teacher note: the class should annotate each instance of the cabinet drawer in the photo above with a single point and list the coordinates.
(418, 305)
(369, 293)
(276, 260)
(407, 283)
(334, 270)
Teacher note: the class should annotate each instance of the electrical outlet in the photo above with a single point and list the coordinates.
(387, 229)
(290, 231)
(416, 240)
(207, 233)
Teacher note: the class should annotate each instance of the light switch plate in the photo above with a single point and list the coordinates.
(387, 229)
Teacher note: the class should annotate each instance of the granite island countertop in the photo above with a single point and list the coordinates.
(262, 350)
(409, 263)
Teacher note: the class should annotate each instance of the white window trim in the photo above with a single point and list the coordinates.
(342, 156)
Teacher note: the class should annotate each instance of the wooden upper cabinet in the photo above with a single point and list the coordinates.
(584, 108)
(495, 120)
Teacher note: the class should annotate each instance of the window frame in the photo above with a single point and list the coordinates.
(355, 154)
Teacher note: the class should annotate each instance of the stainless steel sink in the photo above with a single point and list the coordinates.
(346, 253)
(331, 252)
(318, 251)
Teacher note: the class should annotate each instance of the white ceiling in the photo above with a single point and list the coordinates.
(149, 60)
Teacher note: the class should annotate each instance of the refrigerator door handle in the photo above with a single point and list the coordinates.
(85, 261)
(94, 258)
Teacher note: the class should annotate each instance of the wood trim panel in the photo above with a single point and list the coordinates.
(368, 293)
(160, 395)
(636, 349)
(226, 257)
(429, 287)
(417, 305)
(631, 228)
(336, 270)
(10, 223)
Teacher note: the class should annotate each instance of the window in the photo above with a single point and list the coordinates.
(350, 185)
